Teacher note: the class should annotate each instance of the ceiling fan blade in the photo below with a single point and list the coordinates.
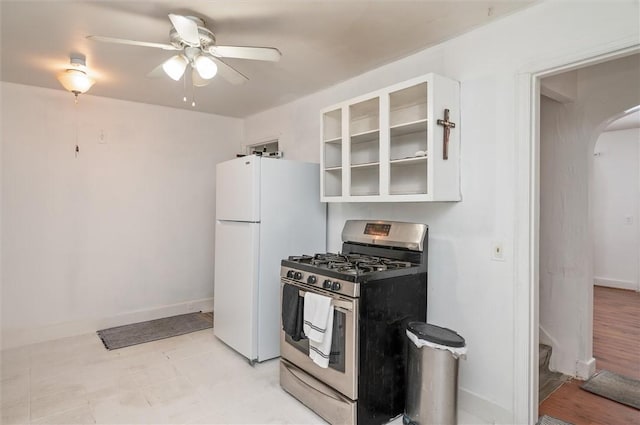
(157, 72)
(186, 28)
(197, 80)
(270, 54)
(229, 73)
(131, 42)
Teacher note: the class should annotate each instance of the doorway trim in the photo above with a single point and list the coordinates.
(527, 208)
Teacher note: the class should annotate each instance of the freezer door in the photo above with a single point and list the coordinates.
(238, 189)
(236, 286)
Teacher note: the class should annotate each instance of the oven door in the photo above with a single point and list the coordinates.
(343, 366)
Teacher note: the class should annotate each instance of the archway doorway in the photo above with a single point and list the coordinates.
(615, 203)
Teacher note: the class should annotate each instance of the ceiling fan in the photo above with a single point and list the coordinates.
(197, 48)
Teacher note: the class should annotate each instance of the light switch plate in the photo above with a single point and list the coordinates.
(497, 251)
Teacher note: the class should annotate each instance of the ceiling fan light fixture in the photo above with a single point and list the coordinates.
(76, 79)
(206, 67)
(197, 80)
(175, 66)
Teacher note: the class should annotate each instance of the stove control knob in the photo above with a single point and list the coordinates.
(312, 280)
(297, 275)
(335, 286)
(326, 284)
(290, 274)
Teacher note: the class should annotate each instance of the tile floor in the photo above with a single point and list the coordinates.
(189, 379)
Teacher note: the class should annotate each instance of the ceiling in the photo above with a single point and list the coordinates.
(631, 120)
(322, 43)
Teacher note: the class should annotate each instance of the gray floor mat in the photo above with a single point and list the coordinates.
(550, 420)
(152, 330)
(615, 387)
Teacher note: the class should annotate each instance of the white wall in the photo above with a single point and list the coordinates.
(615, 193)
(567, 138)
(123, 231)
(467, 291)
(564, 240)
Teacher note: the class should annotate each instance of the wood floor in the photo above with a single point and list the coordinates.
(616, 347)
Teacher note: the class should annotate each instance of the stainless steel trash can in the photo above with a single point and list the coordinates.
(432, 368)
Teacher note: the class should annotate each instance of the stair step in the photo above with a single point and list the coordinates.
(544, 356)
(548, 381)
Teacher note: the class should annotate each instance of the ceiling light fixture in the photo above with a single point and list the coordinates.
(175, 66)
(75, 79)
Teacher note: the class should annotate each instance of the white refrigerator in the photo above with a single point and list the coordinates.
(266, 209)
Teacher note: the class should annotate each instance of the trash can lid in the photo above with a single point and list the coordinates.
(436, 334)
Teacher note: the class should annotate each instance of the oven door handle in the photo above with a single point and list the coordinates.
(334, 395)
(342, 310)
(343, 306)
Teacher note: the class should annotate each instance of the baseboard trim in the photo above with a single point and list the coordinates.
(585, 368)
(617, 284)
(16, 337)
(483, 408)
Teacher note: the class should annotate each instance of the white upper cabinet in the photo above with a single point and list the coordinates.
(389, 145)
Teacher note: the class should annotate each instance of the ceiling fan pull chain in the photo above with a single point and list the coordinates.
(184, 87)
(75, 114)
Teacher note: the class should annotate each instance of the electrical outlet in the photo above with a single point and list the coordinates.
(628, 220)
(497, 251)
(102, 138)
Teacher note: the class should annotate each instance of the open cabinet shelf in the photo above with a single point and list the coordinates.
(387, 146)
(412, 127)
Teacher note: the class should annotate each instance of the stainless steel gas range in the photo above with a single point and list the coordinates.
(377, 284)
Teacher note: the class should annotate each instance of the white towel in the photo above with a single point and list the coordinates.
(318, 327)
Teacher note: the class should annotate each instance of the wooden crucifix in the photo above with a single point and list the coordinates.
(448, 125)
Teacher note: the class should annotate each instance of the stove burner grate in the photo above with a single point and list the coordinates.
(351, 263)
(300, 258)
